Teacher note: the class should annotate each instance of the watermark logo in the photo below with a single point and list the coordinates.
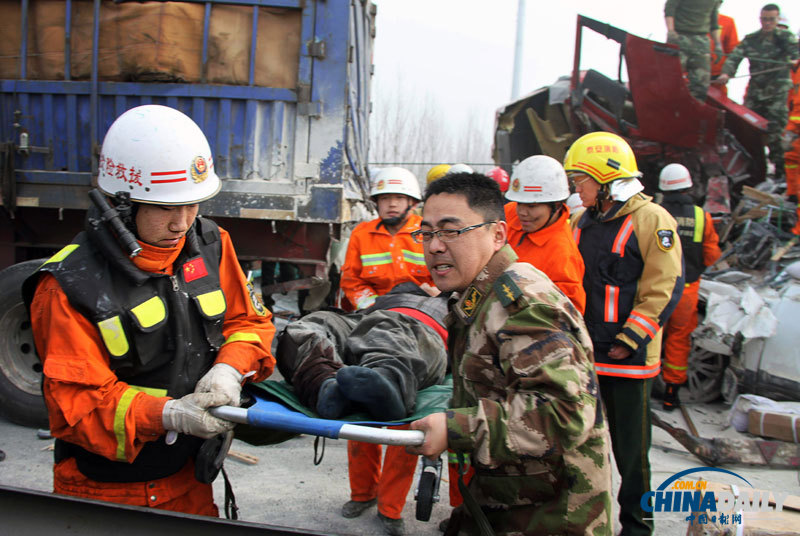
(704, 505)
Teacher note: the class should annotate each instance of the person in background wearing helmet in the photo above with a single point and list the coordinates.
(525, 412)
(440, 170)
(700, 245)
(633, 281)
(137, 349)
(500, 176)
(381, 253)
(538, 229)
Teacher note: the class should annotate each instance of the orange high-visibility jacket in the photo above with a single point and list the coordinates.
(729, 38)
(553, 251)
(377, 261)
(794, 101)
(90, 407)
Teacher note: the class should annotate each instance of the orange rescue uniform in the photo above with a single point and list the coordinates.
(729, 38)
(376, 261)
(679, 327)
(553, 251)
(83, 395)
(791, 157)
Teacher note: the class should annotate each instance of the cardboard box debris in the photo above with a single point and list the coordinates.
(769, 423)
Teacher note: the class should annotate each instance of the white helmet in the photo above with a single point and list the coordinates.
(395, 180)
(538, 179)
(160, 156)
(674, 177)
(460, 168)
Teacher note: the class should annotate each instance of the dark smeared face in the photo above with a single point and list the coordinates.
(162, 225)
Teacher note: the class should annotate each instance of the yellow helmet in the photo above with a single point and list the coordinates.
(603, 156)
(437, 172)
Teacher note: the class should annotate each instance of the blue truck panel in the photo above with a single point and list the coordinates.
(296, 154)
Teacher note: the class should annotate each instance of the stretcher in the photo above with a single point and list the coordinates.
(274, 406)
(274, 415)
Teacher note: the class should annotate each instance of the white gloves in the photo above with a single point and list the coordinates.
(223, 380)
(189, 415)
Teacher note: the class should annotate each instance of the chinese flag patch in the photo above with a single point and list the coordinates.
(194, 269)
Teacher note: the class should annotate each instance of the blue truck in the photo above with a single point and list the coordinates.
(280, 87)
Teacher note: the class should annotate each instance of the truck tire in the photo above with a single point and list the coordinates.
(21, 400)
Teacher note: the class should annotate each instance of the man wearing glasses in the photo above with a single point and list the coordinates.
(771, 52)
(525, 411)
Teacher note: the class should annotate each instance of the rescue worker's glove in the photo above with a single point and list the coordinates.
(189, 415)
(787, 139)
(224, 380)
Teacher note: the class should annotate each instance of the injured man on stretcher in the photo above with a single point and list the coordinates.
(373, 360)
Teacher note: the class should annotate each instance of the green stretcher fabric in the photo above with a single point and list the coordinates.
(429, 400)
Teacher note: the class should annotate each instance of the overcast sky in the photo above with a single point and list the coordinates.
(462, 51)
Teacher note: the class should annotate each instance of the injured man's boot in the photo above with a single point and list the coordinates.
(331, 402)
(373, 389)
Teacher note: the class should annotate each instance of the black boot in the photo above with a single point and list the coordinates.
(671, 398)
(331, 402)
(373, 389)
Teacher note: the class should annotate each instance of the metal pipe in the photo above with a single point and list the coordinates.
(518, 50)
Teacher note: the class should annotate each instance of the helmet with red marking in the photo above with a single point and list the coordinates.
(538, 179)
(158, 155)
(603, 156)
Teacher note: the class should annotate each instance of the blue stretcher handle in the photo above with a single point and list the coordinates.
(269, 414)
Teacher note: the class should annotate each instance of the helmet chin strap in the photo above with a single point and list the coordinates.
(396, 220)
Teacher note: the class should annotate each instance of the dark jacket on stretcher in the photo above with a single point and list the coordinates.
(402, 337)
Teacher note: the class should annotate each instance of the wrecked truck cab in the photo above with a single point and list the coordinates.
(647, 102)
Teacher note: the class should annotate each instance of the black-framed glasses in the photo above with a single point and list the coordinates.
(445, 235)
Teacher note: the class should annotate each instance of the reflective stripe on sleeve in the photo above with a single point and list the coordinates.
(242, 336)
(644, 323)
(119, 421)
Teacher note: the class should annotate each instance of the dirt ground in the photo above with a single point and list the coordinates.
(285, 488)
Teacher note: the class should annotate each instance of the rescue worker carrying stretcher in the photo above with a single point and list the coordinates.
(538, 226)
(700, 245)
(136, 349)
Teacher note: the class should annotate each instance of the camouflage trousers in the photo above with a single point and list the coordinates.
(695, 56)
(770, 103)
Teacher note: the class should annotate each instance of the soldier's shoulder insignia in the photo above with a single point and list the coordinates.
(665, 238)
(472, 297)
(255, 301)
(507, 290)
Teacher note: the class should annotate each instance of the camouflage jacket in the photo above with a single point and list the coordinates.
(526, 405)
(766, 52)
